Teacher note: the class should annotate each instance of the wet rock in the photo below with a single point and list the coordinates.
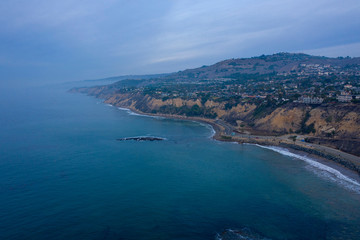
(141, 139)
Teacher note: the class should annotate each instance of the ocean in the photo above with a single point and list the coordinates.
(63, 175)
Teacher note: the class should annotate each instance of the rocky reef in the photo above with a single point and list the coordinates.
(139, 139)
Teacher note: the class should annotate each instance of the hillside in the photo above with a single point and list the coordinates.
(268, 95)
(279, 63)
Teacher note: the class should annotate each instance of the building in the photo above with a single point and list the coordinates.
(344, 98)
(310, 100)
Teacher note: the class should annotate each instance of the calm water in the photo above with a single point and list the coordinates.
(63, 175)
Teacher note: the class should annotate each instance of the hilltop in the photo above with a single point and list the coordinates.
(280, 63)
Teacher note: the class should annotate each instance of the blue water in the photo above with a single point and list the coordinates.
(63, 175)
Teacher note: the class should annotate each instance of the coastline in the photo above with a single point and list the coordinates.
(343, 159)
(223, 132)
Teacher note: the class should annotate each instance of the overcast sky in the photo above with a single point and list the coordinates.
(77, 39)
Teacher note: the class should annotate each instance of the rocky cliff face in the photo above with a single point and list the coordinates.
(333, 125)
(340, 121)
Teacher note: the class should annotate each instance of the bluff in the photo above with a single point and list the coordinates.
(255, 96)
(333, 125)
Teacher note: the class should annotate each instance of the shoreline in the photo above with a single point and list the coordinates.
(224, 133)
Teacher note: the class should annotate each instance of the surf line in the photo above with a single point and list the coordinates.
(338, 175)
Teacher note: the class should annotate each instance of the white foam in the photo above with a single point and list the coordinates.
(137, 114)
(325, 171)
(210, 127)
(213, 132)
(207, 125)
(125, 109)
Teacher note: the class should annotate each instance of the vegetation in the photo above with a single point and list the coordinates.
(194, 111)
(226, 137)
(264, 83)
(306, 128)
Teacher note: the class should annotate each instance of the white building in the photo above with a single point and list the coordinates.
(344, 98)
(310, 100)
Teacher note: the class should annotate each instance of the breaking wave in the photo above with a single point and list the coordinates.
(137, 114)
(208, 126)
(322, 169)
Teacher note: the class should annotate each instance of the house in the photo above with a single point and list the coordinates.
(310, 100)
(344, 98)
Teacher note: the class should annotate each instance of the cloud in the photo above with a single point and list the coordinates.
(42, 13)
(231, 28)
(131, 37)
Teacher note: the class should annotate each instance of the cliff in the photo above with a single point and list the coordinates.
(260, 95)
(337, 125)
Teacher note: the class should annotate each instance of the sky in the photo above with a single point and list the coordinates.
(69, 40)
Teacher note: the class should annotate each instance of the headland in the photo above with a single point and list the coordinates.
(298, 101)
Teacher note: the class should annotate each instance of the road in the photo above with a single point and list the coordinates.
(229, 130)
